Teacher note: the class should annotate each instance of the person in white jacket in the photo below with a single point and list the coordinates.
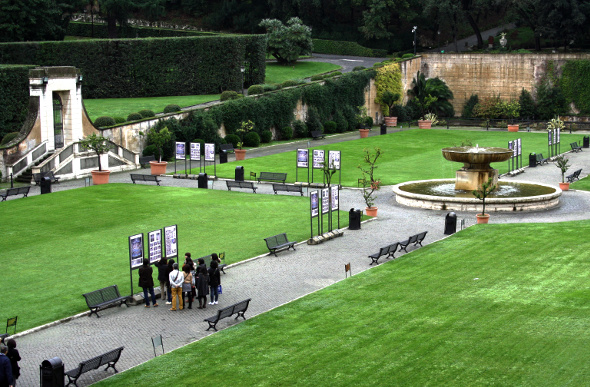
(176, 279)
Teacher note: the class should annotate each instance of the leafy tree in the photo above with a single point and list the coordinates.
(431, 95)
(469, 105)
(287, 42)
(118, 11)
(528, 108)
(379, 15)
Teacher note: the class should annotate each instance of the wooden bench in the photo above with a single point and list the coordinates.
(240, 184)
(147, 178)
(228, 148)
(103, 298)
(240, 308)
(288, 188)
(383, 251)
(38, 176)
(272, 176)
(575, 147)
(15, 191)
(145, 160)
(278, 242)
(414, 240)
(109, 359)
(317, 134)
(541, 160)
(574, 176)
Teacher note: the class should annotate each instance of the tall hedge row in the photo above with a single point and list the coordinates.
(14, 98)
(337, 47)
(575, 83)
(100, 31)
(150, 67)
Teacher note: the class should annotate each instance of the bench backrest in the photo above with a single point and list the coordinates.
(413, 238)
(281, 238)
(420, 237)
(111, 356)
(90, 364)
(384, 250)
(102, 295)
(225, 312)
(393, 248)
(207, 259)
(271, 242)
(241, 306)
(273, 176)
(37, 177)
(23, 190)
(110, 293)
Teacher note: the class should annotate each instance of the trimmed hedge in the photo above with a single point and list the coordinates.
(103, 121)
(14, 98)
(172, 108)
(150, 67)
(338, 47)
(128, 31)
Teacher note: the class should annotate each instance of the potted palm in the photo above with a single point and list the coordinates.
(482, 193)
(159, 138)
(562, 163)
(100, 145)
(389, 99)
(368, 181)
(427, 121)
(245, 127)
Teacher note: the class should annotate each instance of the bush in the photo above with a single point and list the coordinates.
(369, 122)
(172, 108)
(146, 113)
(269, 87)
(286, 133)
(150, 150)
(8, 137)
(255, 89)
(408, 55)
(337, 47)
(289, 83)
(333, 74)
(120, 120)
(300, 129)
(229, 94)
(528, 108)
(330, 127)
(134, 117)
(317, 77)
(251, 139)
(469, 105)
(341, 123)
(232, 139)
(103, 121)
(359, 68)
(266, 136)
(313, 120)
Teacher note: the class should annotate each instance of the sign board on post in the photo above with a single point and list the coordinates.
(209, 152)
(549, 133)
(180, 150)
(325, 200)
(136, 251)
(196, 151)
(519, 147)
(155, 245)
(302, 158)
(334, 160)
(315, 202)
(335, 204)
(170, 242)
(318, 158)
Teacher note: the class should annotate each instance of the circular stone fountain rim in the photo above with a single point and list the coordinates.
(484, 150)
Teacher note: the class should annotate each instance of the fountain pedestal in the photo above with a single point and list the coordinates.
(472, 179)
(476, 165)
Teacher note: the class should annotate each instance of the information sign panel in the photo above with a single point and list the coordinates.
(170, 242)
(155, 245)
(196, 151)
(550, 133)
(558, 136)
(325, 200)
(209, 152)
(335, 194)
(136, 250)
(314, 203)
(302, 158)
(180, 150)
(519, 147)
(334, 160)
(318, 158)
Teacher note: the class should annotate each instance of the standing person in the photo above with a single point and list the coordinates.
(188, 261)
(146, 281)
(163, 272)
(214, 282)
(176, 280)
(187, 285)
(168, 288)
(202, 285)
(201, 262)
(14, 357)
(6, 379)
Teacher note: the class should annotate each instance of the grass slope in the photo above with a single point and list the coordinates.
(277, 73)
(491, 305)
(407, 155)
(66, 235)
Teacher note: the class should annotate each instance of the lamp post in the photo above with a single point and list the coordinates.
(242, 70)
(414, 31)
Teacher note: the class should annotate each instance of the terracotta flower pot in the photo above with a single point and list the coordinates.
(240, 154)
(364, 133)
(371, 211)
(100, 177)
(482, 219)
(391, 121)
(564, 186)
(424, 124)
(158, 168)
(513, 128)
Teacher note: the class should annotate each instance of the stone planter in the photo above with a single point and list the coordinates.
(564, 186)
(391, 121)
(513, 128)
(100, 177)
(240, 154)
(371, 211)
(424, 124)
(158, 168)
(482, 219)
(364, 133)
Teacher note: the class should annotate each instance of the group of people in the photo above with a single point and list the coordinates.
(9, 358)
(176, 286)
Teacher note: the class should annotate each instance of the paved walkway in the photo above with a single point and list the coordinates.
(270, 281)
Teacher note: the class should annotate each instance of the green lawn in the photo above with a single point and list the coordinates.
(497, 305)
(63, 237)
(276, 73)
(408, 155)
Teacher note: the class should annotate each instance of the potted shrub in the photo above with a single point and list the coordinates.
(512, 111)
(100, 145)
(368, 181)
(389, 99)
(362, 117)
(244, 128)
(427, 121)
(562, 163)
(159, 138)
(482, 193)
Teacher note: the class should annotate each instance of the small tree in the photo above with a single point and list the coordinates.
(245, 127)
(482, 193)
(159, 138)
(389, 99)
(98, 144)
(562, 163)
(555, 123)
(368, 181)
(287, 42)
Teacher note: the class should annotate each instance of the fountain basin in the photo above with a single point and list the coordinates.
(548, 197)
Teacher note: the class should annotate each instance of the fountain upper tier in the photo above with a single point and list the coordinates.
(475, 157)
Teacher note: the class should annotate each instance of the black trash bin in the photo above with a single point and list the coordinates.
(354, 219)
(52, 373)
(202, 180)
(450, 223)
(586, 142)
(239, 173)
(45, 184)
(532, 160)
(223, 157)
(383, 129)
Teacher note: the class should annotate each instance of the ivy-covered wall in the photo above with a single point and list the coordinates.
(388, 78)
(151, 67)
(14, 98)
(575, 83)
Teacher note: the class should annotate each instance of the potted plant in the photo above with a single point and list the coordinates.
(555, 123)
(482, 193)
(512, 111)
(159, 138)
(389, 99)
(368, 181)
(100, 145)
(362, 117)
(562, 163)
(427, 121)
(245, 127)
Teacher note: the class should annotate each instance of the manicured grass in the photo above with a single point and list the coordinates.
(503, 305)
(408, 155)
(76, 241)
(122, 107)
(276, 73)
